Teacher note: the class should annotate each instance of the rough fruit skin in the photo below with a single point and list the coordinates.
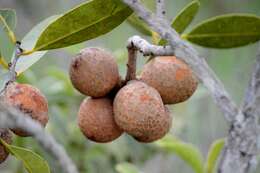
(28, 100)
(94, 72)
(6, 136)
(160, 134)
(140, 112)
(96, 120)
(171, 77)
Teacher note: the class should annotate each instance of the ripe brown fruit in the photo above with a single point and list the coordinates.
(140, 112)
(94, 72)
(6, 136)
(160, 134)
(171, 77)
(96, 120)
(28, 100)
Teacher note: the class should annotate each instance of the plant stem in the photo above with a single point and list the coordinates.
(18, 52)
(131, 64)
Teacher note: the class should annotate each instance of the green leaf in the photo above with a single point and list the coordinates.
(184, 18)
(31, 161)
(139, 25)
(28, 43)
(187, 152)
(9, 16)
(87, 21)
(7, 24)
(226, 31)
(126, 168)
(215, 150)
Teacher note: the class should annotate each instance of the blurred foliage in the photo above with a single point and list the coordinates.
(187, 152)
(126, 168)
(197, 121)
(32, 162)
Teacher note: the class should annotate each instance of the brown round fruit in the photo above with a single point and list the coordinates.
(160, 134)
(171, 77)
(28, 100)
(94, 72)
(96, 120)
(140, 112)
(6, 136)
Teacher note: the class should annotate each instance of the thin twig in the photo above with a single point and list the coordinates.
(17, 54)
(148, 49)
(11, 75)
(252, 97)
(136, 43)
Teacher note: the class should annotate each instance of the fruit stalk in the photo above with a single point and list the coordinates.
(131, 64)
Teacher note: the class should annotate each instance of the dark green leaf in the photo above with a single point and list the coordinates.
(187, 152)
(28, 43)
(10, 17)
(31, 161)
(139, 25)
(214, 151)
(87, 21)
(226, 31)
(126, 168)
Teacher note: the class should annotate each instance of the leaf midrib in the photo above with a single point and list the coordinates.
(222, 35)
(80, 29)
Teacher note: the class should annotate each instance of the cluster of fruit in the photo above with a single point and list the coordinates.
(137, 108)
(28, 100)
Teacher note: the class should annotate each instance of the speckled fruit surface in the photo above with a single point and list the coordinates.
(171, 77)
(96, 120)
(6, 136)
(30, 101)
(140, 112)
(94, 72)
(159, 134)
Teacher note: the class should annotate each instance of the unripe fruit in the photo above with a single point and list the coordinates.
(140, 112)
(94, 72)
(28, 100)
(171, 77)
(6, 136)
(96, 120)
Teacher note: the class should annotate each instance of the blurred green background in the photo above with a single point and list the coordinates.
(197, 121)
